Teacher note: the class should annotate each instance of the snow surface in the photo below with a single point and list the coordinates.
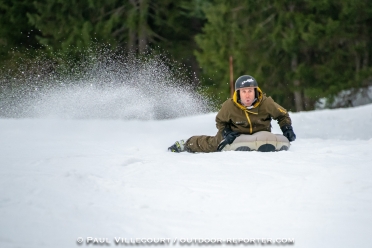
(64, 179)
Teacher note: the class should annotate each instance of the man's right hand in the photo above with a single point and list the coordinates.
(228, 137)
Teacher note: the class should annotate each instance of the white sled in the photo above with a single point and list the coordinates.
(262, 141)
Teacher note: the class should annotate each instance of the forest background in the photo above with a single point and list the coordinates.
(299, 51)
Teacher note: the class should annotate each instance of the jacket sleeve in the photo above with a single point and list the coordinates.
(278, 113)
(222, 118)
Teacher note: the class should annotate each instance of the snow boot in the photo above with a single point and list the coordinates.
(179, 146)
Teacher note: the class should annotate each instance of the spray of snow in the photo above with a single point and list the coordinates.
(102, 84)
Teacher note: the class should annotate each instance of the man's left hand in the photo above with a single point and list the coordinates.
(288, 132)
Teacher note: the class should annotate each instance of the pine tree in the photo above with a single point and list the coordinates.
(299, 51)
(17, 36)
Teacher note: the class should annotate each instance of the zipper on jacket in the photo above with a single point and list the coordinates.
(249, 121)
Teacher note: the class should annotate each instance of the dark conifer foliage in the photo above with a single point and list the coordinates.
(299, 51)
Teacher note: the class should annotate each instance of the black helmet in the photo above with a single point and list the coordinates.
(245, 81)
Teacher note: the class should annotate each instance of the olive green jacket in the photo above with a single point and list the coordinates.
(242, 120)
(248, 121)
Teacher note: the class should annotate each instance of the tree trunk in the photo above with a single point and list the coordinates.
(132, 41)
(357, 65)
(142, 26)
(132, 18)
(232, 87)
(294, 63)
(297, 92)
(365, 59)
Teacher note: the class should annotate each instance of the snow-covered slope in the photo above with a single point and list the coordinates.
(64, 179)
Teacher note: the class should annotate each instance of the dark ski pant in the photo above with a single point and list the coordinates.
(203, 143)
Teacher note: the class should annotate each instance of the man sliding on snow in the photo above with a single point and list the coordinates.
(248, 112)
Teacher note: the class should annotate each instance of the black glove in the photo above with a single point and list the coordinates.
(288, 132)
(228, 137)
